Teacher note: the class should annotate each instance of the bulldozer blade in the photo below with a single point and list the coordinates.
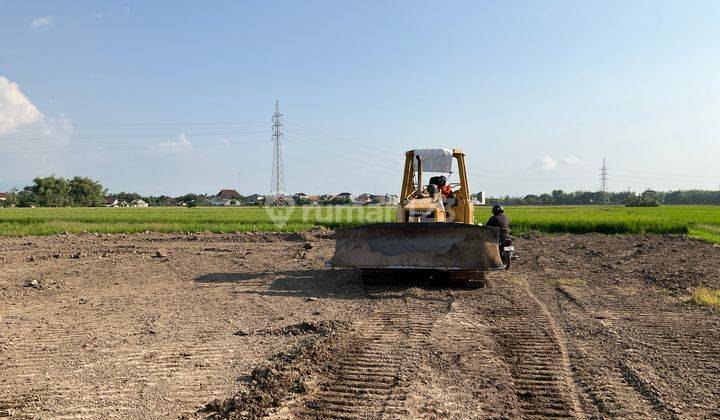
(431, 246)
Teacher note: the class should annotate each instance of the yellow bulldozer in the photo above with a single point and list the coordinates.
(434, 230)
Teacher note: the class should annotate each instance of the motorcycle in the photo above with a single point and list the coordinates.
(507, 253)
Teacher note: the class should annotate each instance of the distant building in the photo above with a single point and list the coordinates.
(215, 201)
(228, 195)
(255, 199)
(164, 200)
(138, 203)
(111, 202)
(3, 196)
(365, 198)
(479, 199)
(376, 199)
(391, 199)
(225, 197)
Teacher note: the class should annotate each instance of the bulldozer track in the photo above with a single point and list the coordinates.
(614, 390)
(56, 351)
(372, 377)
(534, 348)
(627, 388)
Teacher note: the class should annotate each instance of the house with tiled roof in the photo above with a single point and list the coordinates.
(227, 194)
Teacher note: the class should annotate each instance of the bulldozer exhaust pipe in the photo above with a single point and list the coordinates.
(419, 176)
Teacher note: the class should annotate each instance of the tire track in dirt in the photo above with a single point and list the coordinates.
(46, 351)
(371, 379)
(466, 377)
(534, 348)
(608, 385)
(179, 369)
(631, 386)
(71, 358)
(500, 337)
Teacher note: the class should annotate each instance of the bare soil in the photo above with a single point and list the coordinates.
(248, 325)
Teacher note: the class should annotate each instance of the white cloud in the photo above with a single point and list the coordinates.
(545, 163)
(30, 141)
(548, 164)
(570, 160)
(16, 110)
(172, 147)
(42, 21)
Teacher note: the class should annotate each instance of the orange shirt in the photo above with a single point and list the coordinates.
(446, 191)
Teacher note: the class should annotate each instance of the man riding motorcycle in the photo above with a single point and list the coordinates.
(501, 221)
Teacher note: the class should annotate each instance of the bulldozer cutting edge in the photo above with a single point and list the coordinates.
(431, 246)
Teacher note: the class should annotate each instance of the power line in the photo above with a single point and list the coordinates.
(346, 156)
(345, 141)
(34, 124)
(123, 137)
(120, 148)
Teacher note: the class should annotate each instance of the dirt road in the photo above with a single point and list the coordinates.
(254, 324)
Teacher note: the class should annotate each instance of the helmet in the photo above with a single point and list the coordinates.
(497, 209)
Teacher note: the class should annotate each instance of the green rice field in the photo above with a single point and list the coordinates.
(702, 222)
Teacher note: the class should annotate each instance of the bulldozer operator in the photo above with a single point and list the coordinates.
(441, 184)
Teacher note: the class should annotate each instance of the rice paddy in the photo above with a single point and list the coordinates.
(702, 222)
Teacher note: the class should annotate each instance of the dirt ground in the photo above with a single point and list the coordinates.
(244, 325)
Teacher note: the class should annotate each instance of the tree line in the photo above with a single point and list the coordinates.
(54, 191)
(80, 191)
(647, 198)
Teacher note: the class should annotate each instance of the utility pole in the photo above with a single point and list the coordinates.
(277, 183)
(603, 177)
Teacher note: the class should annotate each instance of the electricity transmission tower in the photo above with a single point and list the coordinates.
(603, 177)
(277, 183)
(603, 183)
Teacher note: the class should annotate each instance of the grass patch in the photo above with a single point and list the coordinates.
(706, 233)
(569, 282)
(608, 219)
(46, 221)
(706, 297)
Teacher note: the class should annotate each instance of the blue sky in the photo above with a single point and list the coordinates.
(168, 97)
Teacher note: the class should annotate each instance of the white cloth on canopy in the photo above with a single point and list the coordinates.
(434, 160)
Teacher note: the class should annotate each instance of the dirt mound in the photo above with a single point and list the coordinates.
(283, 374)
(671, 262)
(305, 327)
